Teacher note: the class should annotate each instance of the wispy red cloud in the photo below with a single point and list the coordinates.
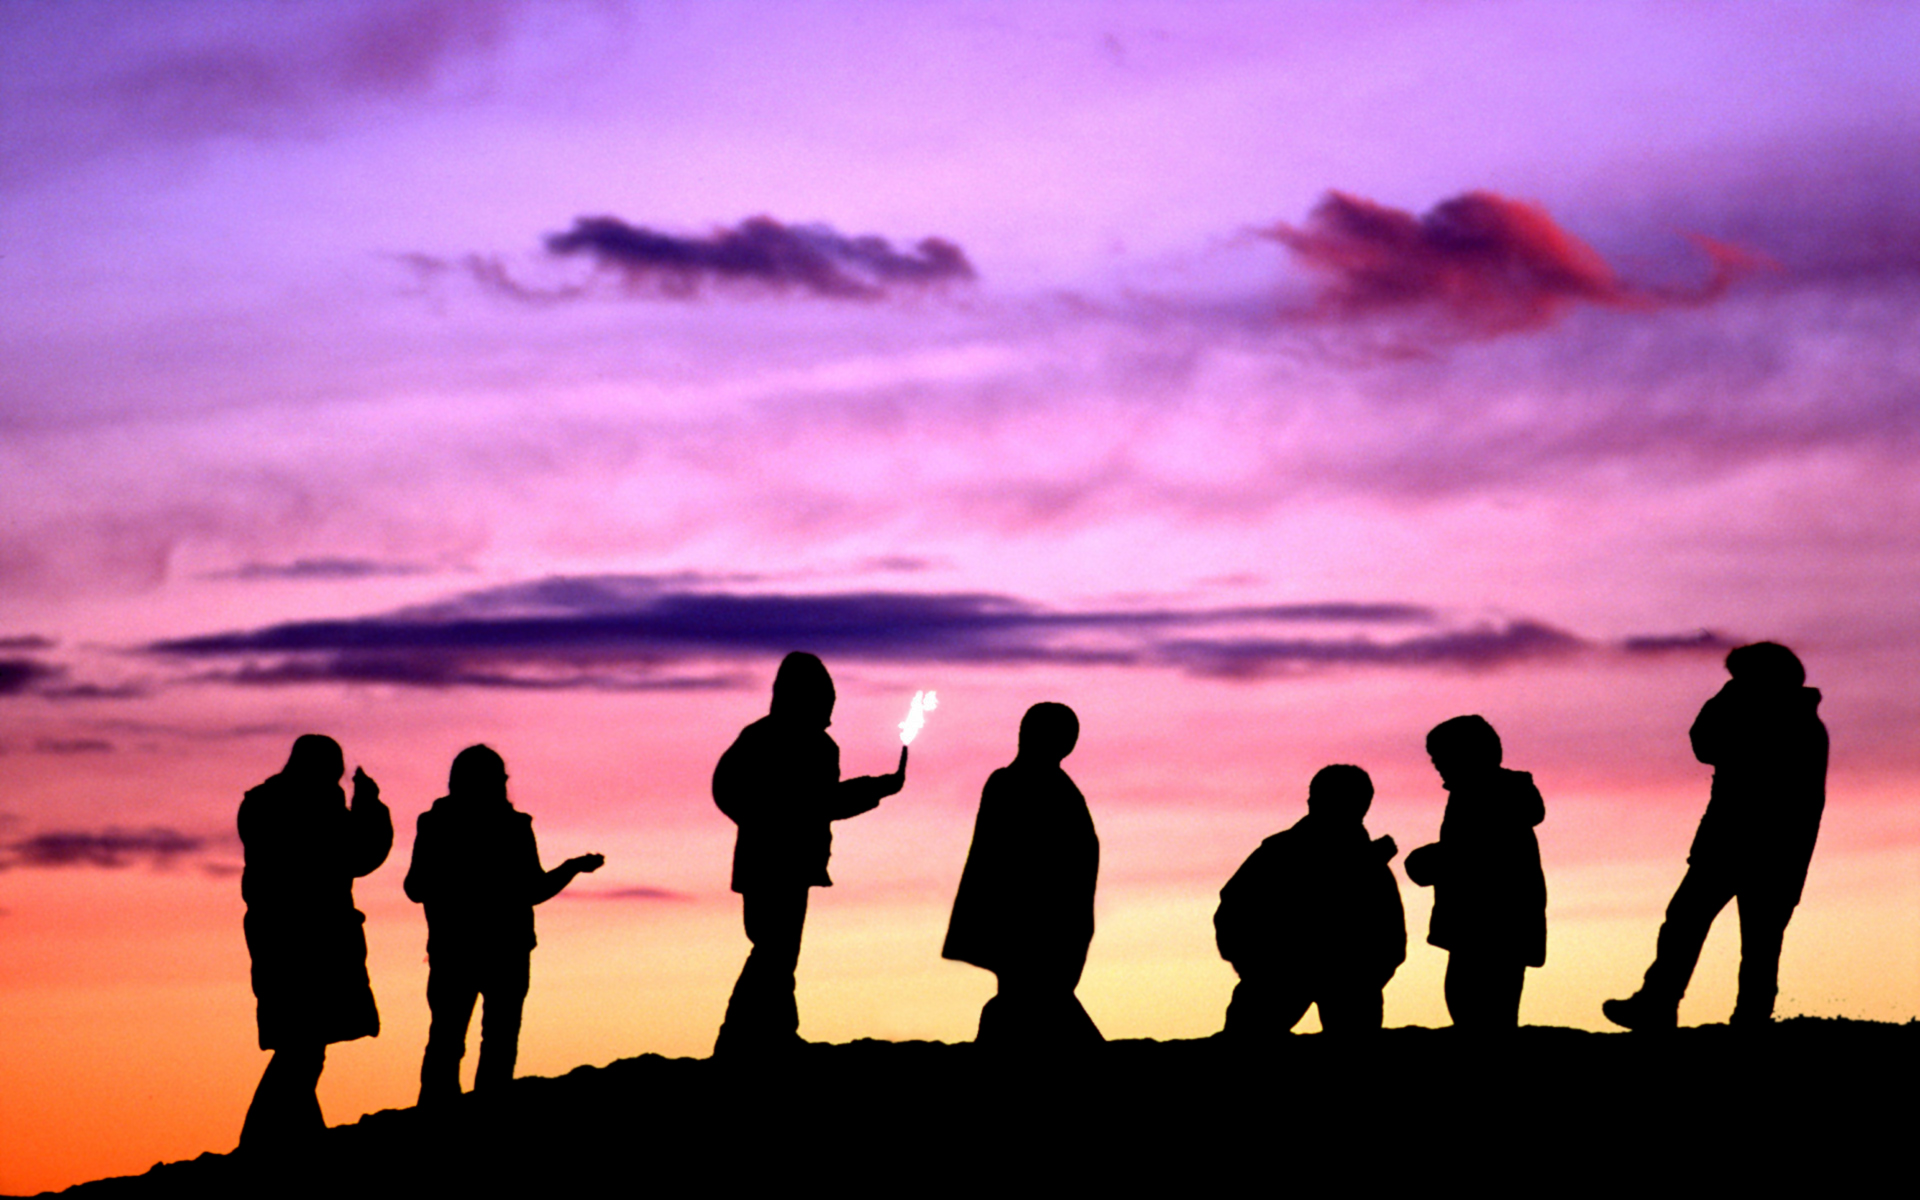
(1477, 266)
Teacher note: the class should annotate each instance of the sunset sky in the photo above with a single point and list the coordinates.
(1267, 382)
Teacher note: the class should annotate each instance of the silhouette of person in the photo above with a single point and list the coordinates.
(1024, 908)
(477, 870)
(780, 784)
(305, 845)
(1314, 917)
(1489, 893)
(1768, 749)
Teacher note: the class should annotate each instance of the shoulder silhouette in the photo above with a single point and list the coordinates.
(1762, 735)
(1024, 908)
(1313, 917)
(304, 846)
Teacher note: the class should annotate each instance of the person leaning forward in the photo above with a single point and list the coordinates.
(1763, 737)
(780, 784)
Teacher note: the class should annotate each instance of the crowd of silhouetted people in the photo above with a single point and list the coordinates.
(1312, 918)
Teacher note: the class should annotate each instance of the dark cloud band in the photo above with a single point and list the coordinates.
(109, 848)
(621, 632)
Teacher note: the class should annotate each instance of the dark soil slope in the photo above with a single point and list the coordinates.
(1808, 1104)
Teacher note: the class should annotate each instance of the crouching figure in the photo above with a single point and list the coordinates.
(1313, 917)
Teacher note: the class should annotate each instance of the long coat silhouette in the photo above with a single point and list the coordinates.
(1489, 891)
(780, 784)
(304, 848)
(1024, 908)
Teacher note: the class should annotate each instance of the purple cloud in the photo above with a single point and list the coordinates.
(19, 675)
(759, 254)
(621, 632)
(321, 569)
(72, 746)
(627, 893)
(111, 848)
(1704, 641)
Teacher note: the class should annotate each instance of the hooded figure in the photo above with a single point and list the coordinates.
(1024, 909)
(780, 784)
(1314, 917)
(304, 848)
(1763, 737)
(1489, 892)
(477, 870)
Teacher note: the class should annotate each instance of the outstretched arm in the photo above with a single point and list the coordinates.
(553, 882)
(865, 792)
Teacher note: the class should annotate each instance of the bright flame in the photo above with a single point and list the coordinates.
(923, 703)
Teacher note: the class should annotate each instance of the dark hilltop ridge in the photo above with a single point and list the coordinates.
(1807, 1101)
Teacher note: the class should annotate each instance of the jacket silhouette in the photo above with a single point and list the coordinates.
(304, 847)
(1024, 908)
(780, 784)
(1314, 917)
(1763, 736)
(1489, 891)
(476, 869)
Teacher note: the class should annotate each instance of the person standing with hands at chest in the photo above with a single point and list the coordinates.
(305, 845)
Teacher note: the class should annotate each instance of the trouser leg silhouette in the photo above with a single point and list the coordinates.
(1351, 1009)
(1763, 926)
(1035, 1009)
(453, 985)
(1265, 1008)
(1483, 990)
(505, 990)
(285, 1106)
(1696, 902)
(762, 1009)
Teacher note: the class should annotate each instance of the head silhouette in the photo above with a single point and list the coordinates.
(802, 691)
(478, 771)
(315, 757)
(1768, 664)
(1048, 733)
(1340, 793)
(1463, 747)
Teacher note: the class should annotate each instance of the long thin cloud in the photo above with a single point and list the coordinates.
(760, 255)
(111, 848)
(619, 632)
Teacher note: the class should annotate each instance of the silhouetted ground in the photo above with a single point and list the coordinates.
(1807, 1103)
